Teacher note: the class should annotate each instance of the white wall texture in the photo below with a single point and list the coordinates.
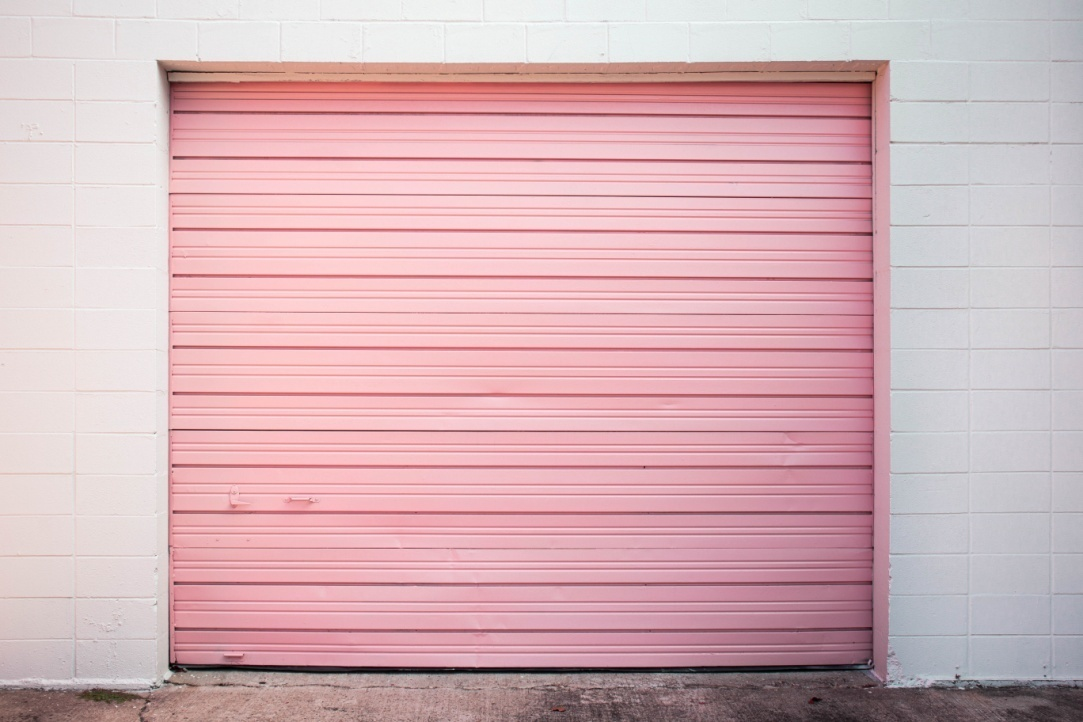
(987, 302)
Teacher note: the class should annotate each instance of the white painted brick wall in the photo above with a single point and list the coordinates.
(987, 319)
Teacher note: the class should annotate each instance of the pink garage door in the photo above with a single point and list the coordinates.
(521, 375)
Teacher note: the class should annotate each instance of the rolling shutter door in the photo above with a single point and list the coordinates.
(485, 375)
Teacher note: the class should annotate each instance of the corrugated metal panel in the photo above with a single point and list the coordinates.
(521, 375)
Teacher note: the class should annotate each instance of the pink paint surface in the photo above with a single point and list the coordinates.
(522, 375)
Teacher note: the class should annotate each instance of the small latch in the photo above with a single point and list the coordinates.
(235, 497)
(309, 499)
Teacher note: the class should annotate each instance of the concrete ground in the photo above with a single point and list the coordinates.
(241, 696)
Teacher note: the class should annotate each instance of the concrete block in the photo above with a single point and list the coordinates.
(1067, 164)
(157, 39)
(1009, 122)
(1066, 205)
(115, 329)
(1010, 410)
(36, 659)
(241, 40)
(36, 494)
(32, 80)
(930, 411)
(1009, 574)
(1001, 451)
(1067, 82)
(760, 10)
(1020, 246)
(929, 494)
(104, 496)
(1009, 369)
(36, 370)
(36, 328)
(938, 657)
(109, 412)
(668, 42)
(1066, 122)
(1067, 246)
(117, 80)
(1009, 81)
(1012, 328)
(928, 615)
(41, 121)
(37, 536)
(1015, 614)
(1068, 411)
(14, 37)
(413, 43)
(117, 247)
(330, 42)
(280, 10)
(47, 412)
(1067, 491)
(990, 40)
(116, 205)
(368, 10)
(1068, 614)
(117, 163)
(1010, 657)
(134, 659)
(1067, 658)
(201, 9)
(918, 328)
(929, 534)
(929, 369)
(915, 164)
(693, 11)
(1066, 40)
(1009, 9)
(847, 9)
(1067, 573)
(739, 42)
(105, 454)
(890, 40)
(929, 288)
(1066, 10)
(73, 37)
(932, 453)
(126, 288)
(578, 43)
(928, 81)
(115, 370)
(117, 122)
(1009, 534)
(1009, 205)
(1067, 369)
(36, 619)
(807, 41)
(116, 577)
(116, 536)
(115, 8)
(929, 9)
(1067, 328)
(1009, 287)
(1067, 288)
(49, 205)
(30, 577)
(929, 206)
(36, 453)
(1009, 165)
(485, 43)
(35, 163)
(116, 619)
(928, 574)
(445, 10)
(1010, 492)
(924, 246)
(1068, 452)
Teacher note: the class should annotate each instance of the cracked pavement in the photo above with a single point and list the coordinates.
(243, 696)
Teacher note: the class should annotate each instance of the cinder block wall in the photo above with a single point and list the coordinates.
(987, 278)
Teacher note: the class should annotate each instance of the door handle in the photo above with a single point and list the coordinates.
(309, 499)
(235, 498)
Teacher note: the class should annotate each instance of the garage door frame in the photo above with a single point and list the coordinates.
(877, 74)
